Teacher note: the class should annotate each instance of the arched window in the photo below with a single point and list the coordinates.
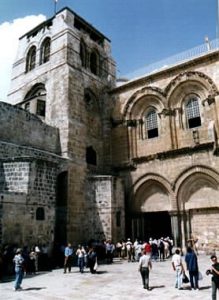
(31, 59)
(151, 124)
(45, 51)
(83, 54)
(192, 111)
(40, 214)
(94, 62)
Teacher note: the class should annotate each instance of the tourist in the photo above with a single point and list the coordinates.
(178, 268)
(192, 266)
(92, 260)
(109, 251)
(81, 261)
(68, 258)
(19, 269)
(214, 271)
(145, 266)
(129, 249)
(123, 250)
(119, 249)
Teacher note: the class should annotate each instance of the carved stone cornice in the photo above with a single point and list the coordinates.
(184, 76)
(209, 100)
(174, 153)
(167, 112)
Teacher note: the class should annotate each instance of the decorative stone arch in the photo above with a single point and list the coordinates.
(151, 203)
(193, 82)
(36, 89)
(137, 104)
(192, 180)
(198, 205)
(143, 182)
(35, 100)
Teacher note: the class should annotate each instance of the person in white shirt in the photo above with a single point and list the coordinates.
(81, 261)
(178, 268)
(144, 267)
(129, 249)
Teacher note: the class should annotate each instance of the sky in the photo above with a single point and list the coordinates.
(141, 31)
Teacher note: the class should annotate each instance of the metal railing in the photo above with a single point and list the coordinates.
(207, 47)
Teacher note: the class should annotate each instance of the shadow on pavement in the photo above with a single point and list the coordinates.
(205, 287)
(33, 289)
(157, 287)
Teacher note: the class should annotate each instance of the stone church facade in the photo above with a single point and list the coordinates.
(167, 124)
(82, 158)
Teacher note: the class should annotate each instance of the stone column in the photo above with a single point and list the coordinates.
(175, 227)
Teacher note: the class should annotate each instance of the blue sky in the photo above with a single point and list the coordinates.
(141, 31)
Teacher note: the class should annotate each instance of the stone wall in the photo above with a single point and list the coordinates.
(23, 128)
(105, 208)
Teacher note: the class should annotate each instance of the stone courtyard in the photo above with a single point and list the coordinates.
(120, 280)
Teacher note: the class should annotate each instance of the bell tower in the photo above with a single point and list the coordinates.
(63, 73)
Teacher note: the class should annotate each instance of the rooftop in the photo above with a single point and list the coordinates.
(180, 58)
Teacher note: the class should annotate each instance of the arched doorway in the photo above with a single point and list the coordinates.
(149, 212)
(151, 225)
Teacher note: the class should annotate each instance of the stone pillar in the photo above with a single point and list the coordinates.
(175, 227)
(185, 228)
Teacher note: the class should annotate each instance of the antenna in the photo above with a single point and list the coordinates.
(55, 6)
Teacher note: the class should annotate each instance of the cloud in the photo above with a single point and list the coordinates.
(9, 35)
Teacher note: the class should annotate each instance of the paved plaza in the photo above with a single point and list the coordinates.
(120, 281)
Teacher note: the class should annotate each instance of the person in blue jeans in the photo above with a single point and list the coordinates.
(81, 258)
(178, 268)
(68, 258)
(19, 269)
(214, 271)
(192, 266)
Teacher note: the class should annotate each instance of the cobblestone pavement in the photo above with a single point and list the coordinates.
(120, 280)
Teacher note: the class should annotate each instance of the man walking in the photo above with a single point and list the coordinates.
(19, 269)
(68, 258)
(145, 266)
(192, 266)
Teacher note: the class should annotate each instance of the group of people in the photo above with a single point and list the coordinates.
(36, 258)
(148, 252)
(142, 252)
(160, 249)
(191, 263)
(85, 258)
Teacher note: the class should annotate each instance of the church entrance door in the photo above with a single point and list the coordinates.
(151, 225)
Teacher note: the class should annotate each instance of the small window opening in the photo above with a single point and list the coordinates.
(91, 156)
(118, 218)
(41, 108)
(94, 63)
